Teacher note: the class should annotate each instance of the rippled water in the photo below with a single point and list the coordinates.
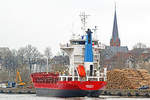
(34, 97)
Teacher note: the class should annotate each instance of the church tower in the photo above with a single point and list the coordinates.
(115, 40)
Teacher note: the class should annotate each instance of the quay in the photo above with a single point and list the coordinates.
(126, 92)
(17, 91)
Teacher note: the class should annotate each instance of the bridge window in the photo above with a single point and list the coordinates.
(78, 42)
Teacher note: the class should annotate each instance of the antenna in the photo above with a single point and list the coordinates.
(95, 30)
(84, 17)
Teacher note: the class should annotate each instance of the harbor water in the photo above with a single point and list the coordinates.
(34, 97)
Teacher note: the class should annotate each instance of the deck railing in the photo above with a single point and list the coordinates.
(78, 78)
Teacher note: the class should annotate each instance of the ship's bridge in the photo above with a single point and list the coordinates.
(77, 42)
(81, 42)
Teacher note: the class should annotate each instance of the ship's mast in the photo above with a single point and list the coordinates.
(84, 17)
(95, 32)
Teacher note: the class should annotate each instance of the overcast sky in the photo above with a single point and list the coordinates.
(43, 23)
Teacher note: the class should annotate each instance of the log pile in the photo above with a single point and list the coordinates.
(127, 78)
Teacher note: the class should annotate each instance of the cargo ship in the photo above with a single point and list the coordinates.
(85, 77)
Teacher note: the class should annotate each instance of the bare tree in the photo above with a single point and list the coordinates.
(21, 56)
(29, 55)
(31, 52)
(139, 45)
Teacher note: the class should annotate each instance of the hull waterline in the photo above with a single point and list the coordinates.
(67, 93)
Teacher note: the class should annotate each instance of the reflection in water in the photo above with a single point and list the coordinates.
(34, 97)
(84, 98)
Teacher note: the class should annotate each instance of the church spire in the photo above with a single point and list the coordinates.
(115, 41)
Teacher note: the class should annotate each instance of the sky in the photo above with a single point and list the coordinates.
(47, 23)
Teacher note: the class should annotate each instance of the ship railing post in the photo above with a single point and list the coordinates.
(61, 79)
(67, 78)
(97, 78)
(105, 74)
(73, 70)
(73, 78)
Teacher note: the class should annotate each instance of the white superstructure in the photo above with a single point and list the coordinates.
(75, 50)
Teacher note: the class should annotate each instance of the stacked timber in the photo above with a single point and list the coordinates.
(127, 78)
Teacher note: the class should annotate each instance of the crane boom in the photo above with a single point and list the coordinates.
(20, 82)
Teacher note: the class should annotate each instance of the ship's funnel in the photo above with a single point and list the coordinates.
(88, 55)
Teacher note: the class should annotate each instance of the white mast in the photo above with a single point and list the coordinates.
(84, 17)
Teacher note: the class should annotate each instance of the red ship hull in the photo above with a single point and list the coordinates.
(53, 87)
